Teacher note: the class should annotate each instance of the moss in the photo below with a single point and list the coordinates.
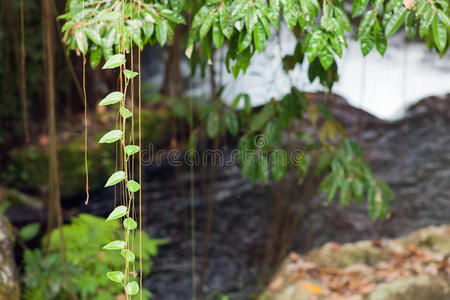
(27, 169)
(432, 238)
(340, 257)
(421, 287)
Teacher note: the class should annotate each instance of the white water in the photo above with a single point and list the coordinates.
(383, 86)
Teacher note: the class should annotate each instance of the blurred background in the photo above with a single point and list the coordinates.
(249, 236)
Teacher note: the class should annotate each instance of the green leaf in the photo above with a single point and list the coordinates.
(93, 34)
(358, 7)
(212, 124)
(114, 61)
(82, 41)
(132, 288)
(95, 57)
(367, 43)
(366, 24)
(260, 120)
(207, 23)
(173, 16)
(29, 231)
(357, 190)
(129, 74)
(326, 58)
(380, 38)
(245, 38)
(117, 213)
(115, 276)
(444, 18)
(439, 35)
(279, 162)
(345, 194)
(115, 178)
(161, 32)
(115, 245)
(226, 21)
(232, 122)
(133, 186)
(218, 37)
(259, 37)
(131, 149)
(263, 168)
(129, 224)
(342, 15)
(112, 98)
(111, 137)
(426, 20)
(316, 43)
(128, 255)
(395, 21)
(125, 112)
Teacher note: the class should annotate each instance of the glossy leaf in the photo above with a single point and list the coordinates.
(161, 32)
(115, 276)
(117, 213)
(131, 149)
(395, 21)
(128, 255)
(125, 112)
(129, 224)
(111, 136)
(115, 245)
(380, 38)
(130, 74)
(115, 178)
(132, 288)
(114, 61)
(133, 186)
(439, 35)
(112, 98)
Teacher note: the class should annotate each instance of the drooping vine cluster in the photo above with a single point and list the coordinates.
(118, 135)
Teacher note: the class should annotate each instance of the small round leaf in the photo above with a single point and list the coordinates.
(132, 288)
(128, 255)
(115, 276)
(133, 186)
(129, 224)
(131, 149)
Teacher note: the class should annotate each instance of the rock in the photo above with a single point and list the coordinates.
(421, 287)
(413, 267)
(333, 255)
(9, 283)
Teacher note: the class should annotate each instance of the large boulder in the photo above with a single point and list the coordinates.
(9, 283)
(413, 267)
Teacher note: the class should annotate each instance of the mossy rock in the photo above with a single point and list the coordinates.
(28, 169)
(432, 238)
(333, 255)
(9, 284)
(421, 287)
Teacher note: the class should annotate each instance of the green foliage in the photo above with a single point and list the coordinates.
(246, 25)
(89, 267)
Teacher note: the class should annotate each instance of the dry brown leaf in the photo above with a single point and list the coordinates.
(276, 284)
(294, 256)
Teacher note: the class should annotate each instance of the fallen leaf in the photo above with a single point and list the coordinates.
(310, 287)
